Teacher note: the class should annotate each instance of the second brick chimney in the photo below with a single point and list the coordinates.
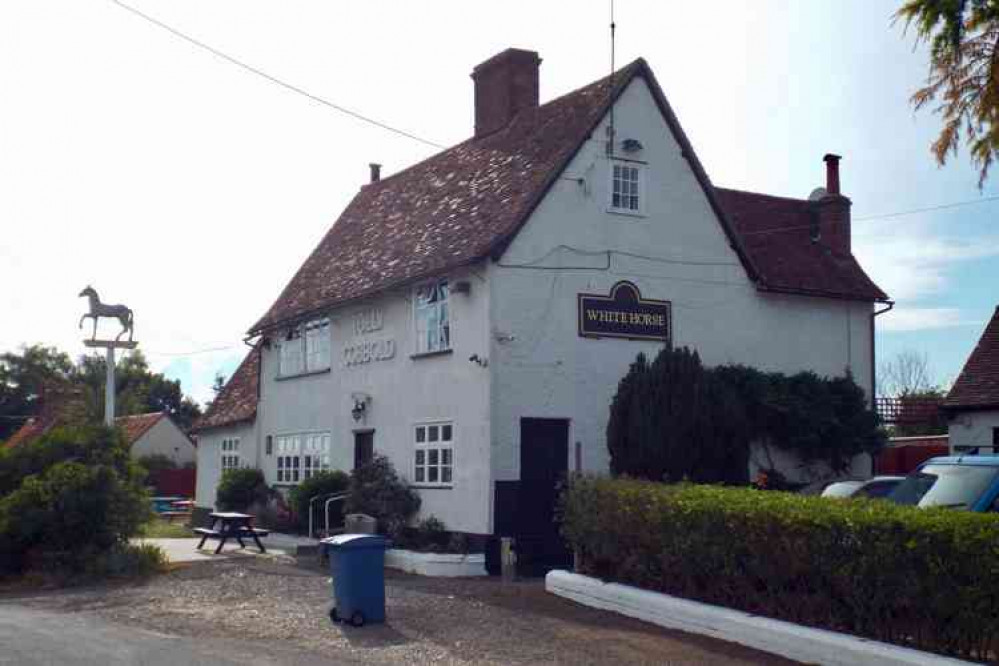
(505, 84)
(834, 210)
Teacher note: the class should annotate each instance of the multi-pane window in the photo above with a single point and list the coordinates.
(299, 457)
(434, 454)
(625, 186)
(433, 323)
(305, 348)
(291, 353)
(230, 453)
(317, 344)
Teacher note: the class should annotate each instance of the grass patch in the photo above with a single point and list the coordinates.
(158, 528)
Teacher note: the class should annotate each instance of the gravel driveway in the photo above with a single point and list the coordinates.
(449, 621)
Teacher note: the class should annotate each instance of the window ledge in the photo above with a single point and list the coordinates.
(626, 213)
(440, 352)
(418, 486)
(281, 378)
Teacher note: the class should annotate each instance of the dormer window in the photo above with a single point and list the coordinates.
(626, 195)
(305, 348)
(431, 318)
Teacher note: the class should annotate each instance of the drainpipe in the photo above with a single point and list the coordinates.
(874, 365)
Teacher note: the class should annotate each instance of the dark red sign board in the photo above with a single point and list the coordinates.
(624, 314)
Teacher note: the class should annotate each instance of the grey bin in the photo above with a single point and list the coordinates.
(357, 565)
(359, 523)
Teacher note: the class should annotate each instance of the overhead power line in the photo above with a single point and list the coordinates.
(273, 79)
(968, 202)
(883, 216)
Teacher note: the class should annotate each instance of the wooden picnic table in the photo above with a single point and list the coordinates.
(231, 525)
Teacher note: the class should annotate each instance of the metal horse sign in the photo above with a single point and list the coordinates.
(97, 310)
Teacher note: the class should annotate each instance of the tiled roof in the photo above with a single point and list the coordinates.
(787, 259)
(468, 202)
(237, 402)
(977, 387)
(137, 425)
(32, 429)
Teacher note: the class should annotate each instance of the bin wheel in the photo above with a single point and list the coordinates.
(357, 619)
(334, 616)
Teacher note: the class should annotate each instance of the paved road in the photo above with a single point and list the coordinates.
(43, 638)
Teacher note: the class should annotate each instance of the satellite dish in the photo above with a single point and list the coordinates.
(818, 193)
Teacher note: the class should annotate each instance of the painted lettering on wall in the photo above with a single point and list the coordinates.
(368, 321)
(624, 314)
(366, 351)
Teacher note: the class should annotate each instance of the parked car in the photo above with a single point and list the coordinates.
(969, 483)
(876, 487)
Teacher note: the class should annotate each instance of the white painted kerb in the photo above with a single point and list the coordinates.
(783, 638)
(444, 565)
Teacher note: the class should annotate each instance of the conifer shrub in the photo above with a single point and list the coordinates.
(674, 419)
(378, 491)
(241, 488)
(924, 578)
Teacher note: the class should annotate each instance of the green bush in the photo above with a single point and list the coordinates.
(927, 579)
(674, 419)
(130, 560)
(323, 483)
(428, 536)
(71, 512)
(240, 488)
(376, 490)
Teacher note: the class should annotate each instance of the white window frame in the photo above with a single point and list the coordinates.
(229, 457)
(433, 454)
(639, 182)
(299, 456)
(432, 318)
(305, 348)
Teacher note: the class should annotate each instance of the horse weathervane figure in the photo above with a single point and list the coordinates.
(97, 310)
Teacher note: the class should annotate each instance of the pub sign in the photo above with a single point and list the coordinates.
(624, 314)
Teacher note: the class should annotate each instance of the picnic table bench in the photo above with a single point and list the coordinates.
(230, 525)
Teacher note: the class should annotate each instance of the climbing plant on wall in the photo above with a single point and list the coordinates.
(674, 419)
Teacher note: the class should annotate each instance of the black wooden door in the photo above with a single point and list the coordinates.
(544, 453)
(364, 447)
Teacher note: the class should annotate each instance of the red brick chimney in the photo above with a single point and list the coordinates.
(505, 84)
(834, 210)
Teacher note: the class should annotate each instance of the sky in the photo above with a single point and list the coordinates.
(191, 190)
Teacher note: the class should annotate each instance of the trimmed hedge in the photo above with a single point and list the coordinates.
(927, 579)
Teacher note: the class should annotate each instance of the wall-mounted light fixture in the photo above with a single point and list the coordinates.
(631, 145)
(360, 408)
(481, 362)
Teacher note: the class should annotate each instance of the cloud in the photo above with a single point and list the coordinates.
(913, 262)
(922, 319)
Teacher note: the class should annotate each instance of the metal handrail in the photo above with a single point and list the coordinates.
(329, 497)
(337, 498)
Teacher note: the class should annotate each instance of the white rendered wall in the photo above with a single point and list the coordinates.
(971, 429)
(210, 460)
(404, 391)
(165, 438)
(542, 368)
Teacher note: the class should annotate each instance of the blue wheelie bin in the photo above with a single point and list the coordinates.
(357, 565)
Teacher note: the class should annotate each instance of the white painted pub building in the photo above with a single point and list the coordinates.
(470, 317)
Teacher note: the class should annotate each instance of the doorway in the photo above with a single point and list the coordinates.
(544, 459)
(364, 447)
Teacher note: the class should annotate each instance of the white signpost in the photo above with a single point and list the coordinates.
(123, 315)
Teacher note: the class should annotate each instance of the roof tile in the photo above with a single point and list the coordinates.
(977, 387)
(237, 402)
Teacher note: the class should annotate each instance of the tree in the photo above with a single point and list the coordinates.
(907, 373)
(963, 36)
(24, 379)
(139, 390)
